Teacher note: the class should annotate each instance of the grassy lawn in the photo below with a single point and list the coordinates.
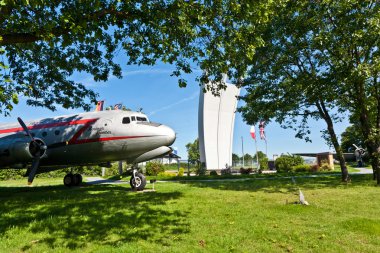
(221, 216)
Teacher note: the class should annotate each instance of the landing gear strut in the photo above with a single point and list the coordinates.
(72, 180)
(138, 181)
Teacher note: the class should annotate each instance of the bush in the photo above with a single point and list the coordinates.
(226, 171)
(245, 171)
(181, 171)
(154, 168)
(172, 166)
(167, 174)
(285, 163)
(213, 173)
(264, 163)
(301, 168)
(12, 174)
(7, 174)
(314, 168)
(325, 167)
(201, 171)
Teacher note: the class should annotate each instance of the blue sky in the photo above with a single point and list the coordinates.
(153, 89)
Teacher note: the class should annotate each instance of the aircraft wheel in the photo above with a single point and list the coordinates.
(138, 182)
(68, 180)
(77, 179)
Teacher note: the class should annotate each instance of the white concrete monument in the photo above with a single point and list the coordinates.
(216, 118)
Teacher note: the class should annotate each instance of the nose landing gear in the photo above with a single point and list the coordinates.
(138, 181)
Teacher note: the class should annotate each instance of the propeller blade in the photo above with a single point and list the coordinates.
(32, 174)
(25, 128)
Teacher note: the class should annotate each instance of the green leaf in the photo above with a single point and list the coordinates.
(15, 98)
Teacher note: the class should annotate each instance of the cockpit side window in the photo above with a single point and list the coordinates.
(141, 119)
(133, 118)
(126, 120)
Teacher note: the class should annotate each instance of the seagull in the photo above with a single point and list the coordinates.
(302, 199)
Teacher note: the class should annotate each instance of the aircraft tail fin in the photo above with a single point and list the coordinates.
(99, 106)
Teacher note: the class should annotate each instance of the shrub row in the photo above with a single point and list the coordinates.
(84, 170)
(154, 168)
(286, 163)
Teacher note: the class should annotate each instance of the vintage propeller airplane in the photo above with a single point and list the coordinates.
(92, 138)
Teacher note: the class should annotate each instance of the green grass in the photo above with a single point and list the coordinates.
(221, 216)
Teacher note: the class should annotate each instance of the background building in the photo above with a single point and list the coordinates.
(216, 119)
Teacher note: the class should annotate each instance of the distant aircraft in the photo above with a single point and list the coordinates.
(92, 138)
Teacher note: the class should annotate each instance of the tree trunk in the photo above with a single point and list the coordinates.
(330, 128)
(374, 155)
(339, 154)
(378, 172)
(370, 142)
(120, 167)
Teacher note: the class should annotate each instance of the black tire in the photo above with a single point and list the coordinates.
(68, 180)
(138, 183)
(77, 179)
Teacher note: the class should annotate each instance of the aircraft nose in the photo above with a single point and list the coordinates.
(169, 134)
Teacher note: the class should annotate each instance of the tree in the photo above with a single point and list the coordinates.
(235, 158)
(352, 135)
(316, 59)
(193, 151)
(355, 53)
(289, 80)
(42, 44)
(260, 155)
(263, 160)
(247, 159)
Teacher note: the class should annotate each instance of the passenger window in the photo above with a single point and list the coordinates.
(126, 120)
(133, 118)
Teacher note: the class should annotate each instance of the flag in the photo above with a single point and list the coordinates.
(253, 132)
(262, 133)
(117, 107)
(99, 106)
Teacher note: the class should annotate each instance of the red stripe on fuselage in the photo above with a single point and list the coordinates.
(48, 125)
(102, 139)
(74, 139)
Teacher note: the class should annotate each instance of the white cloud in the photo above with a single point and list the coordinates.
(167, 107)
(146, 72)
(89, 80)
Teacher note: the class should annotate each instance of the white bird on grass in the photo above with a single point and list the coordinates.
(302, 199)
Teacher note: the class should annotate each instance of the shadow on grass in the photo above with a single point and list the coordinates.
(286, 184)
(101, 214)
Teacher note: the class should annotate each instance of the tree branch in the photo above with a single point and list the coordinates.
(15, 38)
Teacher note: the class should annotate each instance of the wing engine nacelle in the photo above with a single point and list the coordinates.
(158, 152)
(21, 151)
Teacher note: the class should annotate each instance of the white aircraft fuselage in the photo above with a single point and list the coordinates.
(84, 139)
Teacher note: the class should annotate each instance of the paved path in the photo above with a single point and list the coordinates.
(363, 171)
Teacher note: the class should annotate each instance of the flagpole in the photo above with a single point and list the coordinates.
(257, 156)
(253, 134)
(242, 150)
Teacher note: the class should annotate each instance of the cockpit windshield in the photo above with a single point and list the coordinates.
(137, 119)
